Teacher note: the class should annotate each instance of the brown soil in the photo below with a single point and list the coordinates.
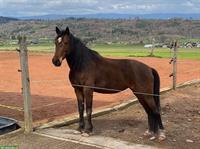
(34, 141)
(180, 114)
(52, 94)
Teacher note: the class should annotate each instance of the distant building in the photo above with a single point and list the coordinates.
(191, 44)
(34, 41)
(164, 46)
(188, 45)
(148, 46)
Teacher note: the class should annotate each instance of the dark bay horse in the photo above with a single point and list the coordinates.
(90, 72)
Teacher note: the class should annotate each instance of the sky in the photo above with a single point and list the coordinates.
(17, 8)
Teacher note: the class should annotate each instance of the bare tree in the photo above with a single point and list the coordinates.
(153, 47)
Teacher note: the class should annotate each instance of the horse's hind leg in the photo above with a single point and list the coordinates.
(154, 113)
(147, 101)
(160, 122)
(149, 132)
(155, 117)
(162, 135)
(151, 112)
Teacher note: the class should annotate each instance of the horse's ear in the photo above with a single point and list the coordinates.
(58, 30)
(67, 31)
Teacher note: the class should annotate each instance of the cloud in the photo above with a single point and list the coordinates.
(42, 7)
(188, 3)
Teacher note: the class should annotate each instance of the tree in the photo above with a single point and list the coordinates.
(153, 47)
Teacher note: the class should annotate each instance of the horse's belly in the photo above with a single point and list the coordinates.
(106, 91)
(108, 82)
(109, 87)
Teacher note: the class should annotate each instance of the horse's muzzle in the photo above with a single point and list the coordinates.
(57, 62)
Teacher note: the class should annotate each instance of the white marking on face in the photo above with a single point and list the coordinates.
(59, 39)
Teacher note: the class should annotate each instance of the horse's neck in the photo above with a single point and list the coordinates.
(79, 57)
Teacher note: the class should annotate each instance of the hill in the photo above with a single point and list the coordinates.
(6, 19)
(105, 30)
(163, 16)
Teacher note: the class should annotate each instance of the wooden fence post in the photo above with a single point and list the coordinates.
(174, 60)
(25, 84)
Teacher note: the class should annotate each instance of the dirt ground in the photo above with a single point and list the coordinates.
(180, 114)
(52, 95)
(33, 141)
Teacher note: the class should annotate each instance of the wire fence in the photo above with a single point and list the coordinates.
(52, 102)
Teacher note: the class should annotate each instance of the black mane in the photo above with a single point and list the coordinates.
(80, 56)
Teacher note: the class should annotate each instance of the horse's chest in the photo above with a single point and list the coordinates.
(77, 78)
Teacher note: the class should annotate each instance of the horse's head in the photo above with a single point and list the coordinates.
(62, 46)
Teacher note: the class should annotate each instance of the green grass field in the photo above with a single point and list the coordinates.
(120, 50)
(140, 51)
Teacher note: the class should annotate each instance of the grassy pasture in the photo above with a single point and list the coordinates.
(117, 50)
(140, 51)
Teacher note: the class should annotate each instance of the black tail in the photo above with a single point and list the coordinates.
(156, 88)
(157, 96)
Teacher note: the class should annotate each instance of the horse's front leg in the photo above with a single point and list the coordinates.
(80, 100)
(88, 96)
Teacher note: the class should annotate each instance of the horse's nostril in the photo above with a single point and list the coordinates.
(53, 61)
(56, 62)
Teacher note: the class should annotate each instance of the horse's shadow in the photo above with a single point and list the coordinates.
(107, 126)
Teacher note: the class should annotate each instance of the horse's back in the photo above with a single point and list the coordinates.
(128, 67)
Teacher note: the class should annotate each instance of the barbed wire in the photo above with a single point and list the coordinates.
(103, 88)
(189, 63)
(41, 81)
(198, 69)
(96, 87)
(99, 88)
(110, 89)
(139, 51)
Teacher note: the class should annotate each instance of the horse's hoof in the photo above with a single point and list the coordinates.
(162, 136)
(152, 138)
(148, 133)
(79, 131)
(76, 132)
(85, 134)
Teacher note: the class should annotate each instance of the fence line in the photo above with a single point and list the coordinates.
(65, 80)
(110, 89)
(198, 69)
(189, 63)
(129, 51)
(22, 46)
(41, 81)
(25, 84)
(47, 81)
